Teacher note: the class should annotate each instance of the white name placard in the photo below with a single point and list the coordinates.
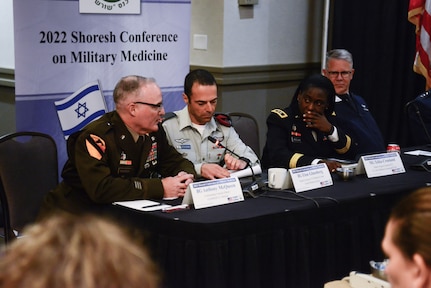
(213, 192)
(310, 177)
(382, 164)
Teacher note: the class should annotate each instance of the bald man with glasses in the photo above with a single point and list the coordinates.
(124, 155)
(351, 110)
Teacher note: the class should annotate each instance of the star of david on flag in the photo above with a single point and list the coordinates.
(80, 108)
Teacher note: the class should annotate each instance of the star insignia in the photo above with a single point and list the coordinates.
(82, 109)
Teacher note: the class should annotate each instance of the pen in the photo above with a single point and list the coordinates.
(175, 208)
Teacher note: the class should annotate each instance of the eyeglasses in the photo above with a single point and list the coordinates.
(334, 74)
(158, 106)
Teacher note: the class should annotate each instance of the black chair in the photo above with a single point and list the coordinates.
(419, 116)
(247, 128)
(28, 170)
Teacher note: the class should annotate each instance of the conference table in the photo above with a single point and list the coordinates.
(279, 239)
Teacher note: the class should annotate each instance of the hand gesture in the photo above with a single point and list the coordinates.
(317, 121)
(176, 186)
(233, 163)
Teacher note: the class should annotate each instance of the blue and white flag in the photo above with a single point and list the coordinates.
(80, 108)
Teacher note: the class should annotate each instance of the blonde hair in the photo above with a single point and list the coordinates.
(72, 252)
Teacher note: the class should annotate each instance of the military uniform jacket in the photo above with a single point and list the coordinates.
(196, 147)
(357, 121)
(106, 165)
(291, 144)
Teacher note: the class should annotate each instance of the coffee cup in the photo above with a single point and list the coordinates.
(277, 178)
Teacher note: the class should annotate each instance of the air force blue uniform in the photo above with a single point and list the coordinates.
(355, 119)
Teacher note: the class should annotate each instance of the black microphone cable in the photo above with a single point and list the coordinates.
(246, 160)
(300, 196)
(255, 185)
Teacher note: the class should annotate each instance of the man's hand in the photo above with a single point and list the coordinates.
(176, 186)
(213, 171)
(233, 163)
(317, 121)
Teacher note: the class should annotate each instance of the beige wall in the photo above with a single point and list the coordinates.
(7, 101)
(258, 53)
(269, 33)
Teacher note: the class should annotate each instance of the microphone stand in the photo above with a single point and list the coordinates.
(418, 112)
(254, 186)
(246, 160)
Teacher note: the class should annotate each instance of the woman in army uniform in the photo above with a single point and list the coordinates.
(305, 133)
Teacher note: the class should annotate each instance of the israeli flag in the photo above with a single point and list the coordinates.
(80, 108)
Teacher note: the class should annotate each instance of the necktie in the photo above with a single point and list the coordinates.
(346, 98)
(140, 142)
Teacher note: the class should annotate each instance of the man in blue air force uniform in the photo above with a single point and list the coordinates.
(352, 112)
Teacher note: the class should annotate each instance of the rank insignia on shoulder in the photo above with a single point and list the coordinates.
(280, 113)
(223, 119)
(168, 116)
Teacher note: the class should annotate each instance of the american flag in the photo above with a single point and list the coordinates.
(420, 15)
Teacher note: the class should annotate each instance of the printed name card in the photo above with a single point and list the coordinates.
(310, 177)
(382, 164)
(213, 192)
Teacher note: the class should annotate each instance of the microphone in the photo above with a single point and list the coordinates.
(418, 112)
(246, 160)
(217, 142)
(253, 188)
(255, 185)
(420, 96)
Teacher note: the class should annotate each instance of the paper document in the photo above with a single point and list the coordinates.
(143, 205)
(418, 153)
(247, 171)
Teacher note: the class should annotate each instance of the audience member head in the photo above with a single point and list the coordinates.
(407, 241)
(200, 95)
(315, 93)
(68, 251)
(339, 69)
(139, 103)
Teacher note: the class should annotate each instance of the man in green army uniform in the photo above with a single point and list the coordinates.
(124, 155)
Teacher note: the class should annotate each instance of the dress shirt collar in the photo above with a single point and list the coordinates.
(185, 121)
(339, 98)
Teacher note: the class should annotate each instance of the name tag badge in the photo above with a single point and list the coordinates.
(126, 162)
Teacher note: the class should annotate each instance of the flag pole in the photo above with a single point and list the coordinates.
(325, 32)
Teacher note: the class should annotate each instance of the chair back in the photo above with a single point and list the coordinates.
(247, 128)
(28, 170)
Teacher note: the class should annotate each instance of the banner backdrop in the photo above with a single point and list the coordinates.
(58, 50)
